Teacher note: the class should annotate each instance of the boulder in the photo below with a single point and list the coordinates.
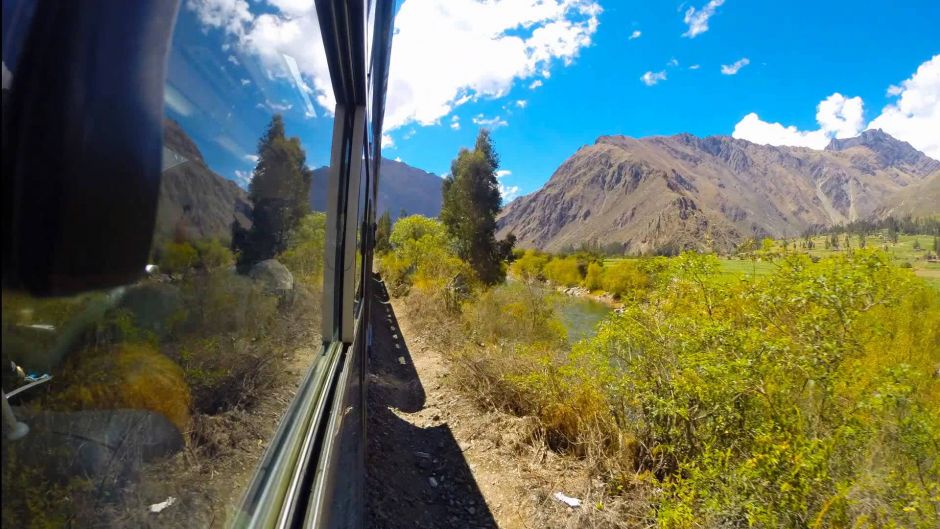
(104, 446)
(273, 277)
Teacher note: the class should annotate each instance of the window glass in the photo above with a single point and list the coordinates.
(151, 404)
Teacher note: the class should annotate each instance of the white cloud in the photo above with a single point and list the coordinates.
(694, 67)
(243, 178)
(508, 192)
(246, 82)
(915, 116)
(522, 103)
(274, 106)
(732, 69)
(636, 34)
(234, 60)
(837, 116)
(455, 122)
(447, 52)
(387, 142)
(535, 84)
(697, 19)
(228, 15)
(651, 78)
(7, 77)
(291, 31)
(673, 62)
(293, 7)
(398, 159)
(253, 158)
(492, 123)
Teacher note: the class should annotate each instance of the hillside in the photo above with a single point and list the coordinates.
(194, 199)
(671, 192)
(401, 187)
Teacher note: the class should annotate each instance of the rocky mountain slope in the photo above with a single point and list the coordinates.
(667, 193)
(401, 187)
(194, 200)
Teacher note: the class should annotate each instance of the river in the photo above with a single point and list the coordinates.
(580, 316)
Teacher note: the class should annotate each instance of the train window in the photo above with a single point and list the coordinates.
(153, 403)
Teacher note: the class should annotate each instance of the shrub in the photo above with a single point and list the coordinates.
(178, 257)
(594, 278)
(529, 266)
(625, 279)
(127, 375)
(212, 255)
(563, 271)
(305, 251)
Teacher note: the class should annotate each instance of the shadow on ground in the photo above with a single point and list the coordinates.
(417, 476)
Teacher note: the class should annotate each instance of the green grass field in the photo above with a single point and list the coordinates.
(902, 252)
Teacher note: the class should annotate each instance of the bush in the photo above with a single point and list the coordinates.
(213, 255)
(625, 279)
(594, 278)
(127, 375)
(178, 257)
(422, 256)
(563, 271)
(305, 251)
(769, 404)
(529, 266)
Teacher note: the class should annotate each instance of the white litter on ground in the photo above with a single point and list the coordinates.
(157, 507)
(567, 500)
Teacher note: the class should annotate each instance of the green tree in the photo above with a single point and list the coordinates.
(529, 266)
(279, 191)
(383, 231)
(594, 278)
(563, 271)
(471, 201)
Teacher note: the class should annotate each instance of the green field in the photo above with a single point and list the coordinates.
(902, 252)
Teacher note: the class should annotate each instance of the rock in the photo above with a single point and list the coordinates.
(274, 277)
(106, 446)
(433, 482)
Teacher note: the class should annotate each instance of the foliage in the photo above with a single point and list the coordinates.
(383, 230)
(213, 255)
(563, 271)
(805, 396)
(471, 201)
(127, 375)
(625, 279)
(279, 193)
(594, 278)
(304, 256)
(178, 257)
(529, 266)
(423, 256)
(772, 404)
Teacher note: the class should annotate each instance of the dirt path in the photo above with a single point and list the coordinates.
(436, 460)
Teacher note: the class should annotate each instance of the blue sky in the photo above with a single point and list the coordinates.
(800, 52)
(549, 76)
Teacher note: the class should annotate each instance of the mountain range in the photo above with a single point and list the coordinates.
(198, 203)
(401, 188)
(667, 193)
(195, 202)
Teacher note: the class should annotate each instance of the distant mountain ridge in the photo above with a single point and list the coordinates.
(195, 202)
(401, 188)
(676, 192)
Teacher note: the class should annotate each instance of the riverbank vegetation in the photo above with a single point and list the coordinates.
(798, 390)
